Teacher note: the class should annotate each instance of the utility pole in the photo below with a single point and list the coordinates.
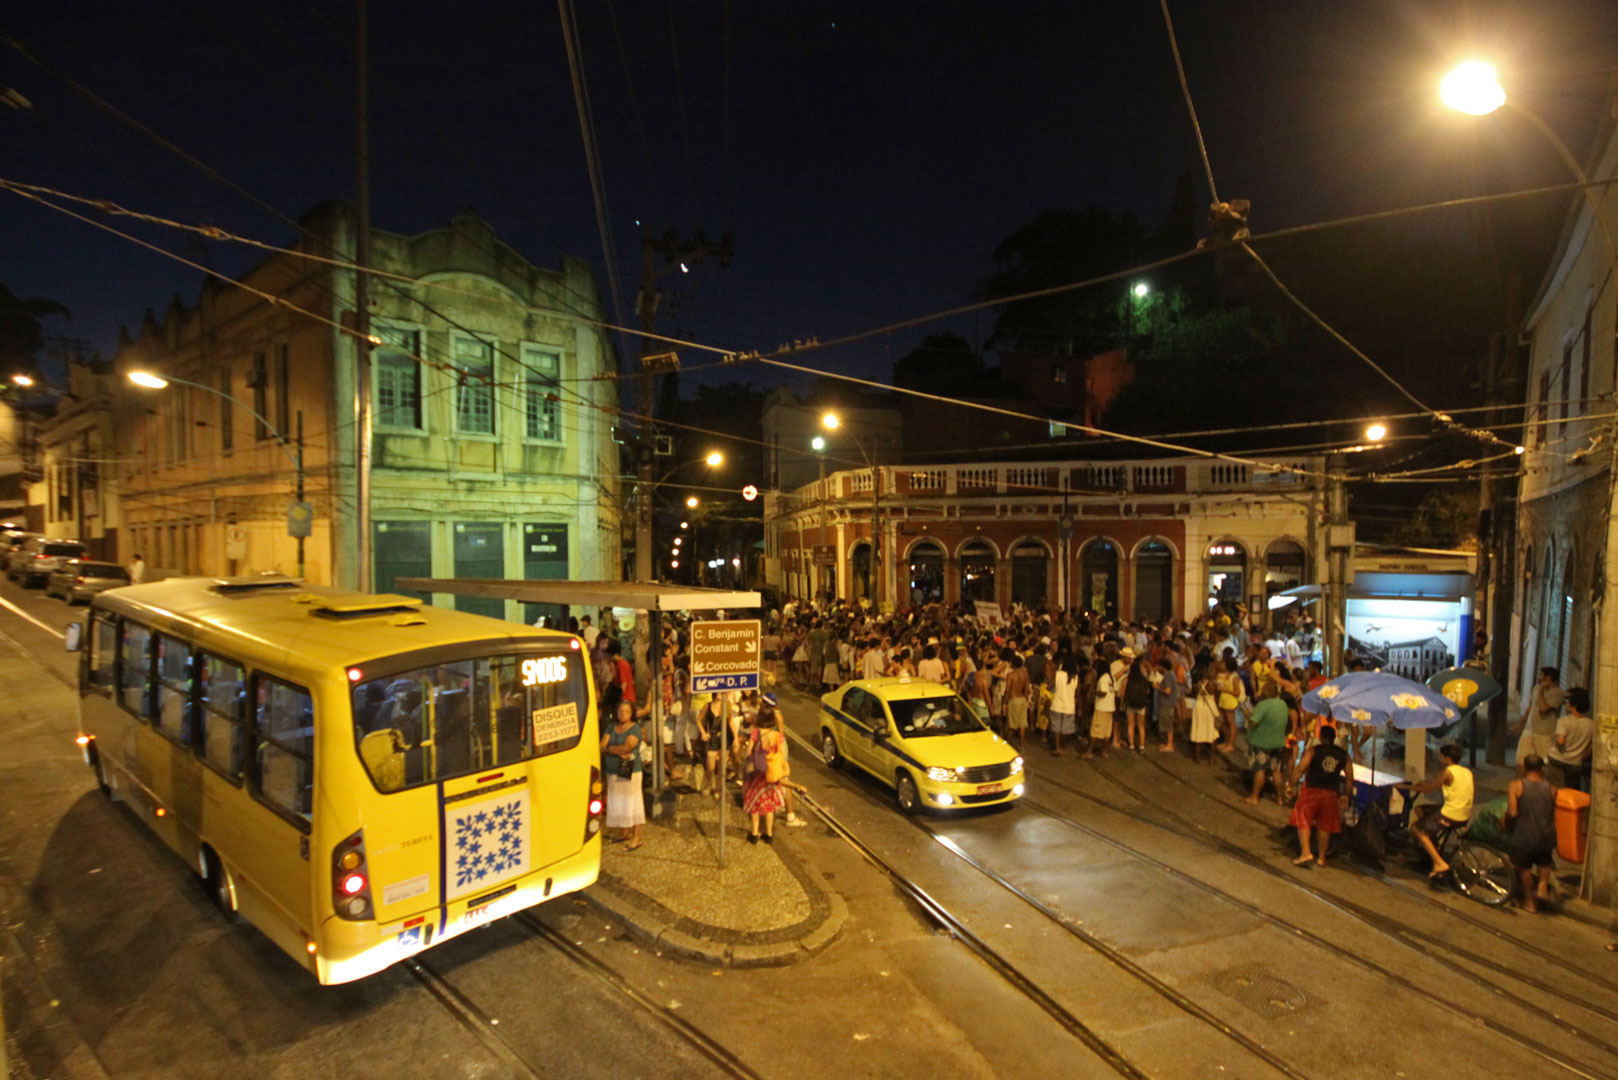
(362, 308)
(1339, 547)
(300, 486)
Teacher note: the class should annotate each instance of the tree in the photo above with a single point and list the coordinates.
(942, 364)
(21, 335)
(1447, 517)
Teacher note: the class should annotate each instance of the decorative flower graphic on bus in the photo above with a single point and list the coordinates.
(486, 842)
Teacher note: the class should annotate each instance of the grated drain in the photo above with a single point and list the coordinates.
(1261, 992)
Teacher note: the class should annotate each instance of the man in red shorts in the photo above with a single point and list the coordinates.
(1326, 788)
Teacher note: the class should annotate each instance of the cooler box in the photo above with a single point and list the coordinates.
(1572, 823)
(1371, 786)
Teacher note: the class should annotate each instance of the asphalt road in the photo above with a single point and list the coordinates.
(1105, 893)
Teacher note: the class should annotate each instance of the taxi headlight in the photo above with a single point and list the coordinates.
(1016, 764)
(942, 775)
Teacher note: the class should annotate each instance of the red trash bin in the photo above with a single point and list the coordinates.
(1572, 823)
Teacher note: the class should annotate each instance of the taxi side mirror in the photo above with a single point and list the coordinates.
(74, 636)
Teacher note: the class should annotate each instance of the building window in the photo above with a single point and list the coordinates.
(283, 390)
(1584, 366)
(1542, 408)
(397, 373)
(474, 396)
(542, 382)
(260, 382)
(227, 419)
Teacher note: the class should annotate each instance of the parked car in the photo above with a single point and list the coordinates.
(40, 557)
(80, 579)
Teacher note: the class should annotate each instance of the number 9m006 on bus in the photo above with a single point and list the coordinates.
(359, 776)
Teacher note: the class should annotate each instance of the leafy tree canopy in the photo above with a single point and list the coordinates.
(20, 332)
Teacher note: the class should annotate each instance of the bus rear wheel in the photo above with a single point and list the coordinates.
(217, 881)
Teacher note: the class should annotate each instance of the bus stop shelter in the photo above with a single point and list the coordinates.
(654, 598)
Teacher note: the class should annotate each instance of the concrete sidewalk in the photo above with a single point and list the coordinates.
(768, 906)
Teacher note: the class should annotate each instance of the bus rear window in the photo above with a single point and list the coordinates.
(449, 719)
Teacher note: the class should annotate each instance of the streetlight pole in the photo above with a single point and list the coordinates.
(833, 422)
(1472, 88)
(153, 381)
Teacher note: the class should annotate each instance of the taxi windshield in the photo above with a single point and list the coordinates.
(933, 716)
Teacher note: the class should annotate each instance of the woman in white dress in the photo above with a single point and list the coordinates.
(620, 753)
(1205, 716)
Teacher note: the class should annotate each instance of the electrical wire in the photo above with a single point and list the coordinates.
(1190, 107)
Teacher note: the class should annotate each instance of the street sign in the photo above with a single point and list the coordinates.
(300, 518)
(749, 492)
(725, 655)
(825, 555)
(235, 541)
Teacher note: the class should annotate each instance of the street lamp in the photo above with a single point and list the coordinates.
(153, 381)
(1376, 433)
(1142, 290)
(1472, 88)
(22, 380)
(691, 502)
(831, 421)
(714, 459)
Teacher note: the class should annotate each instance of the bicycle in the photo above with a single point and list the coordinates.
(1479, 873)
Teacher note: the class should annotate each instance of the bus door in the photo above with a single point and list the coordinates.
(274, 886)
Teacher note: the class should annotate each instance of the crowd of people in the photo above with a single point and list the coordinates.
(1076, 683)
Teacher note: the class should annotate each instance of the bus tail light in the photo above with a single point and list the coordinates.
(351, 879)
(596, 805)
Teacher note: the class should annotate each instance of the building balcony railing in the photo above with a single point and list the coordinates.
(1184, 476)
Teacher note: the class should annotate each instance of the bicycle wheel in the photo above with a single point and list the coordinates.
(1482, 874)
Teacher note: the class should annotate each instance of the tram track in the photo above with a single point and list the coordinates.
(1017, 978)
(1416, 893)
(1362, 914)
(486, 1029)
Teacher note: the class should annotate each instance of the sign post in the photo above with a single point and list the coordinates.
(724, 657)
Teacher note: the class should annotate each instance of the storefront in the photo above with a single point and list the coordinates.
(977, 571)
(1098, 577)
(1154, 581)
(1227, 573)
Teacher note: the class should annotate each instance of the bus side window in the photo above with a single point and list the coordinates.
(223, 714)
(103, 653)
(284, 768)
(173, 686)
(134, 669)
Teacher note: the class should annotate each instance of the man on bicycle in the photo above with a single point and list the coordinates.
(1455, 813)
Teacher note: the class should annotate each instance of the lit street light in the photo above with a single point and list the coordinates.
(691, 502)
(830, 420)
(715, 459)
(22, 380)
(817, 443)
(1472, 88)
(1142, 290)
(1375, 433)
(153, 381)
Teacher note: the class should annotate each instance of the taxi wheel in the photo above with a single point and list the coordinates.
(909, 799)
(828, 749)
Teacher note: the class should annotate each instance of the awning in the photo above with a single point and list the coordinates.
(635, 595)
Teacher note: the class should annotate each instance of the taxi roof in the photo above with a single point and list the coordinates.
(285, 622)
(901, 687)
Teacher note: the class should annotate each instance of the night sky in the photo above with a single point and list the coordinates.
(866, 156)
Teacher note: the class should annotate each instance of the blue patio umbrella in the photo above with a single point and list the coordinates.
(1377, 698)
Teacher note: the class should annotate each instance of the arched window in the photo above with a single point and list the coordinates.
(1154, 581)
(1030, 563)
(977, 571)
(1098, 577)
(1227, 573)
(926, 573)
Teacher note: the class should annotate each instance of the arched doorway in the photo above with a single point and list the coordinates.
(1029, 574)
(1227, 573)
(926, 573)
(859, 571)
(1285, 567)
(977, 571)
(1098, 577)
(1154, 581)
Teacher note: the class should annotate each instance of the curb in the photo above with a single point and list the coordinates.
(651, 924)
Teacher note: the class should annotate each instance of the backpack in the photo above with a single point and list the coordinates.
(758, 758)
(775, 765)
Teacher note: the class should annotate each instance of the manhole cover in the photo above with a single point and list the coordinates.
(1262, 992)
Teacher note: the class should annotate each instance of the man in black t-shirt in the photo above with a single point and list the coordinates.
(1326, 788)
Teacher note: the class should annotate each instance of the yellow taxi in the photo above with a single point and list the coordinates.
(921, 739)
